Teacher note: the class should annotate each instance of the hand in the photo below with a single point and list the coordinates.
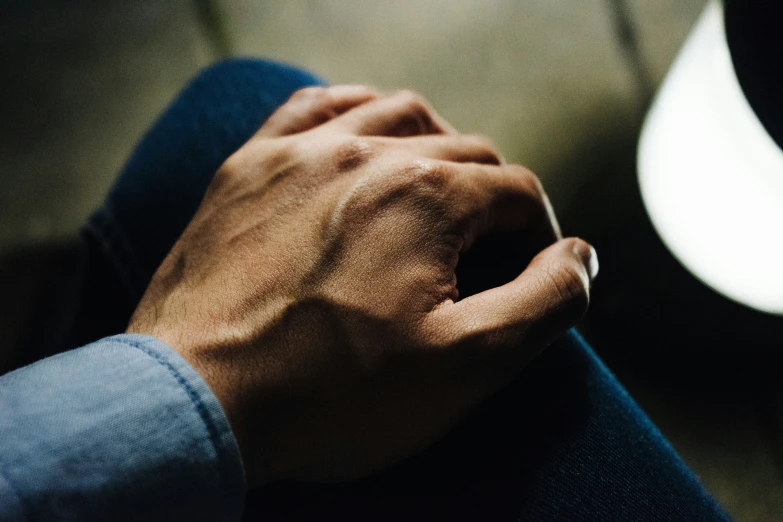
(314, 289)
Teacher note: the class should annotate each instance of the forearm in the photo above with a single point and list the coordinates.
(123, 428)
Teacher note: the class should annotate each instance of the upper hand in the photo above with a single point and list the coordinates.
(314, 289)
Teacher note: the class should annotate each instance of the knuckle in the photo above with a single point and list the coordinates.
(530, 181)
(420, 184)
(411, 98)
(363, 199)
(368, 89)
(353, 153)
(412, 114)
(531, 187)
(487, 149)
(414, 103)
(314, 93)
(428, 175)
(577, 244)
(228, 171)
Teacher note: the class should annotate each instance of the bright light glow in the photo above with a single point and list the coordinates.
(710, 175)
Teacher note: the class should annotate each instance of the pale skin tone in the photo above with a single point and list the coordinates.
(315, 291)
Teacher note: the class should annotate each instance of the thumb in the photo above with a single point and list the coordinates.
(502, 329)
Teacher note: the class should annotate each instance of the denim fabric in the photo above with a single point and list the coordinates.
(563, 442)
(121, 429)
(168, 173)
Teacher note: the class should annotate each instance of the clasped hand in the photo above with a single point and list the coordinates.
(315, 290)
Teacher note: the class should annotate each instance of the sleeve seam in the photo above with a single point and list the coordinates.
(201, 408)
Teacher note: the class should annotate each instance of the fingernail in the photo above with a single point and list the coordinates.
(589, 258)
(593, 263)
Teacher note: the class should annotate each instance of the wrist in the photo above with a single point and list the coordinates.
(232, 409)
(217, 383)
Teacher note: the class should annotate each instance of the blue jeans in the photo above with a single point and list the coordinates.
(563, 442)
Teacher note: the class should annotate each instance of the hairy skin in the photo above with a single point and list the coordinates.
(315, 288)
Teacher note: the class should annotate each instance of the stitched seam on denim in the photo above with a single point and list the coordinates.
(212, 430)
(115, 244)
(118, 247)
(99, 232)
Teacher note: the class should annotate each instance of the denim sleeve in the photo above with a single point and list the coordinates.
(121, 429)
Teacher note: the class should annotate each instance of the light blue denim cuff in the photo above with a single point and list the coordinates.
(121, 429)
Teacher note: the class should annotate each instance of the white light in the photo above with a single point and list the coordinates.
(711, 177)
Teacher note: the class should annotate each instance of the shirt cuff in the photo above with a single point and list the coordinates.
(123, 428)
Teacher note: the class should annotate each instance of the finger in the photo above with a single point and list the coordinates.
(500, 330)
(458, 148)
(312, 106)
(403, 113)
(504, 199)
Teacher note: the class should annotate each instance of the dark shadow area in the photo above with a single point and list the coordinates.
(39, 285)
(669, 338)
(483, 470)
(683, 333)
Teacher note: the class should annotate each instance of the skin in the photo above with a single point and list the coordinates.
(315, 290)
